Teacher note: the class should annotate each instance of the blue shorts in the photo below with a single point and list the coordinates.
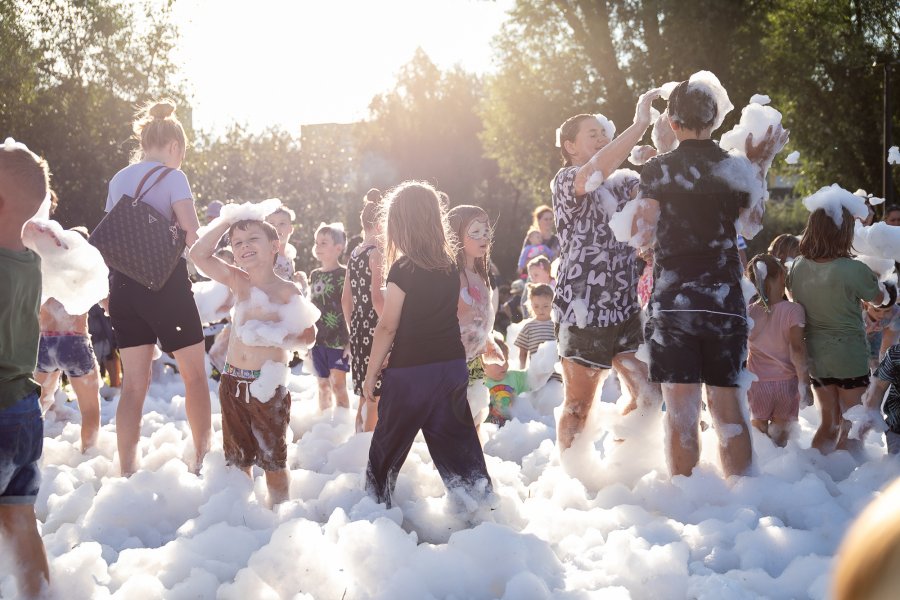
(21, 443)
(69, 353)
(325, 359)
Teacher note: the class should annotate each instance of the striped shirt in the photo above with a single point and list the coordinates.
(533, 334)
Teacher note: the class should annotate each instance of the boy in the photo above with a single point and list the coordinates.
(24, 183)
(503, 385)
(538, 330)
(331, 354)
(254, 428)
(886, 379)
(283, 222)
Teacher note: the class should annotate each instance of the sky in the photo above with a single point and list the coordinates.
(267, 62)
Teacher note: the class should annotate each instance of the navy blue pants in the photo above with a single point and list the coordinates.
(430, 398)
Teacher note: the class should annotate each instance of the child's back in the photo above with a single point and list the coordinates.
(769, 343)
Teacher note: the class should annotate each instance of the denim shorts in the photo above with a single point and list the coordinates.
(71, 354)
(21, 443)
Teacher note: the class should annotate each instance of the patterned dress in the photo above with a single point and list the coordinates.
(363, 317)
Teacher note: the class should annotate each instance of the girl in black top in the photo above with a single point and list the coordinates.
(424, 384)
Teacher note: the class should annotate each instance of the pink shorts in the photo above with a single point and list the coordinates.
(774, 400)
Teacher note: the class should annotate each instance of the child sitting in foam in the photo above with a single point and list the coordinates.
(271, 320)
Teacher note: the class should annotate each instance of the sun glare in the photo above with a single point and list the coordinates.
(291, 63)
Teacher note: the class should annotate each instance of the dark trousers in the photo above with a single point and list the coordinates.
(430, 398)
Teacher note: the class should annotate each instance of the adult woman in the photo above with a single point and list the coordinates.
(140, 316)
(542, 221)
(595, 305)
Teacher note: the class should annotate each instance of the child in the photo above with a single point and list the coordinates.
(65, 347)
(539, 271)
(830, 284)
(254, 418)
(503, 386)
(882, 330)
(362, 301)
(24, 183)
(540, 329)
(777, 352)
(330, 356)
(476, 309)
(426, 377)
(534, 247)
(785, 248)
(282, 219)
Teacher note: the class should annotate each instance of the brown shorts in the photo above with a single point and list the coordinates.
(253, 432)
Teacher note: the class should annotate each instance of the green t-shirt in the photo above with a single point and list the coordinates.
(20, 333)
(830, 293)
(503, 393)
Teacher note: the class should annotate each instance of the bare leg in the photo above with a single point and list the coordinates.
(682, 421)
(339, 385)
(114, 370)
(135, 382)
(636, 377)
(828, 433)
(87, 390)
(324, 393)
(735, 450)
(846, 400)
(278, 483)
(48, 382)
(19, 528)
(191, 361)
(580, 386)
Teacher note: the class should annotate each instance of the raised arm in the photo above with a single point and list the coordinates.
(385, 331)
(202, 253)
(611, 156)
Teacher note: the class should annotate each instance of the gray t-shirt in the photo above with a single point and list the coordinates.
(173, 188)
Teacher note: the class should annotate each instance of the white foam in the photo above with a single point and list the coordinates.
(793, 158)
(710, 83)
(212, 299)
(593, 182)
(893, 156)
(832, 199)
(760, 99)
(294, 318)
(272, 376)
(755, 119)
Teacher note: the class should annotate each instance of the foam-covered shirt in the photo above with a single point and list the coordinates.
(428, 331)
(596, 284)
(325, 289)
(770, 341)
(830, 293)
(20, 332)
(173, 188)
(696, 265)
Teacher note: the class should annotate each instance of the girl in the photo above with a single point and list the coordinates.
(363, 301)
(830, 284)
(785, 248)
(477, 305)
(777, 351)
(140, 316)
(426, 378)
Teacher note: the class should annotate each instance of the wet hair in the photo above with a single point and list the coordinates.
(460, 217)
(414, 224)
(335, 231)
(539, 289)
(823, 239)
(267, 228)
(538, 213)
(568, 131)
(539, 261)
(783, 245)
(773, 268)
(283, 210)
(368, 218)
(24, 179)
(692, 107)
(155, 126)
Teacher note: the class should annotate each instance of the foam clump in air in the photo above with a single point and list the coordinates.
(878, 246)
(760, 99)
(832, 199)
(793, 158)
(755, 119)
(893, 156)
(663, 136)
(710, 82)
(213, 300)
(73, 272)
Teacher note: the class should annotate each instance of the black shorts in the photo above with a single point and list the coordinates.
(849, 383)
(141, 316)
(595, 347)
(696, 347)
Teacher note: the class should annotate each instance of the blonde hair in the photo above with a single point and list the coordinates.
(415, 225)
(24, 178)
(368, 217)
(783, 245)
(460, 217)
(867, 560)
(156, 125)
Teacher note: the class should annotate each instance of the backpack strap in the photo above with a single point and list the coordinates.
(138, 194)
